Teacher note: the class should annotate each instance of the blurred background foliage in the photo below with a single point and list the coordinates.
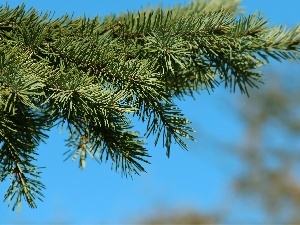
(269, 149)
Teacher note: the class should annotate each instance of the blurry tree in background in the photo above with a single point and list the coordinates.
(270, 149)
(184, 216)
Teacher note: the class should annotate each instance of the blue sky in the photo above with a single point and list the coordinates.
(198, 178)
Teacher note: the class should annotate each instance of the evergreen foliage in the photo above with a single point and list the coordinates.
(93, 75)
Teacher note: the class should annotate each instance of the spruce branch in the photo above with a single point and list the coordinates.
(92, 75)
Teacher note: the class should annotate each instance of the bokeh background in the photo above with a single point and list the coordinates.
(244, 167)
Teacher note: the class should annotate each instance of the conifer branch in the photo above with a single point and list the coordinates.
(92, 74)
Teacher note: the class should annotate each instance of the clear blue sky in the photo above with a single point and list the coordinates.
(197, 179)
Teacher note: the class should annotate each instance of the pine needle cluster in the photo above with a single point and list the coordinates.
(92, 75)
